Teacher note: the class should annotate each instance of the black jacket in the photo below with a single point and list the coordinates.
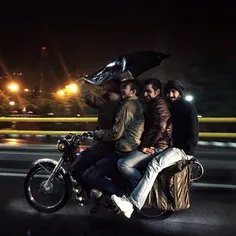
(185, 126)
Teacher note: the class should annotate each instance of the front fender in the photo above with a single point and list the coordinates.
(54, 162)
(48, 160)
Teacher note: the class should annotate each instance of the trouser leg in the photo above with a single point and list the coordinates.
(130, 165)
(88, 157)
(165, 159)
(100, 175)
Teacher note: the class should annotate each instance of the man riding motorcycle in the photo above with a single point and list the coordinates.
(157, 133)
(185, 138)
(126, 131)
(107, 104)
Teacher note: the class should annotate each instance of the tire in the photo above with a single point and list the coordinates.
(156, 215)
(41, 208)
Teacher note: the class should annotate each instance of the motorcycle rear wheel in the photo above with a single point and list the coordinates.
(29, 196)
(148, 212)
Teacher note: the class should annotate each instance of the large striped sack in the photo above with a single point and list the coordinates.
(171, 190)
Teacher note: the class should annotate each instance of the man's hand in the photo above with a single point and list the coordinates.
(80, 81)
(150, 150)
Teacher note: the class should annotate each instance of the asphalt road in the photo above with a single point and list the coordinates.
(212, 209)
(212, 212)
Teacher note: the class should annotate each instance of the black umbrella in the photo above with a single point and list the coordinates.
(127, 66)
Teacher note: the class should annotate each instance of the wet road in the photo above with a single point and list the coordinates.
(212, 209)
(212, 212)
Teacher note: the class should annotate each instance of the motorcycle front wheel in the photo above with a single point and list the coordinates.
(54, 197)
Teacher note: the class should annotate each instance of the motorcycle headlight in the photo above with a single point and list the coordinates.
(61, 145)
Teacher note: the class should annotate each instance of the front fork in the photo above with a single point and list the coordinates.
(54, 172)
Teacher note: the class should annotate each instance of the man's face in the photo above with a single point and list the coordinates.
(150, 93)
(126, 91)
(173, 95)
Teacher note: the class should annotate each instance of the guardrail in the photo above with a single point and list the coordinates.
(94, 119)
(56, 119)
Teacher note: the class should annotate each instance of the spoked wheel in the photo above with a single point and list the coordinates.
(50, 198)
(149, 212)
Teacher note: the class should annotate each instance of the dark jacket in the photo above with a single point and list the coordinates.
(107, 104)
(158, 126)
(128, 127)
(185, 126)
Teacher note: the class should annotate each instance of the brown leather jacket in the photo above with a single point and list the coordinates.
(128, 127)
(107, 104)
(158, 125)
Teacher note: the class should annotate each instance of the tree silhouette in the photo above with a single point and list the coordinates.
(4, 104)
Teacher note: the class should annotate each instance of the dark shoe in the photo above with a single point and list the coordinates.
(95, 194)
(108, 204)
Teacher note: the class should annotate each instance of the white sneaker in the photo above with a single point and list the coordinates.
(123, 204)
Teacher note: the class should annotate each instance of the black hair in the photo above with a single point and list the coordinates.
(134, 85)
(156, 83)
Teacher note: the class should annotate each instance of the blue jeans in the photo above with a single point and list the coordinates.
(90, 156)
(102, 173)
(130, 165)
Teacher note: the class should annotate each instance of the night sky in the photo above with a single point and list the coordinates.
(80, 38)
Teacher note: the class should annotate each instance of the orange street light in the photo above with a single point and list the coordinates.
(72, 88)
(13, 87)
(60, 92)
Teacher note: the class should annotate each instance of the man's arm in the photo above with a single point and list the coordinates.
(92, 100)
(161, 115)
(123, 117)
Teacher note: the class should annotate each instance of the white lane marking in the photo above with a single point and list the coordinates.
(20, 175)
(5, 174)
(212, 185)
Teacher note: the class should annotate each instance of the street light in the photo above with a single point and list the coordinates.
(189, 98)
(72, 88)
(12, 103)
(60, 92)
(13, 87)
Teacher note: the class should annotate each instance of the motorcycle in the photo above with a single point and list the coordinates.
(57, 178)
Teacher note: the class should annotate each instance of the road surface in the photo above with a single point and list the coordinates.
(212, 212)
(212, 209)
